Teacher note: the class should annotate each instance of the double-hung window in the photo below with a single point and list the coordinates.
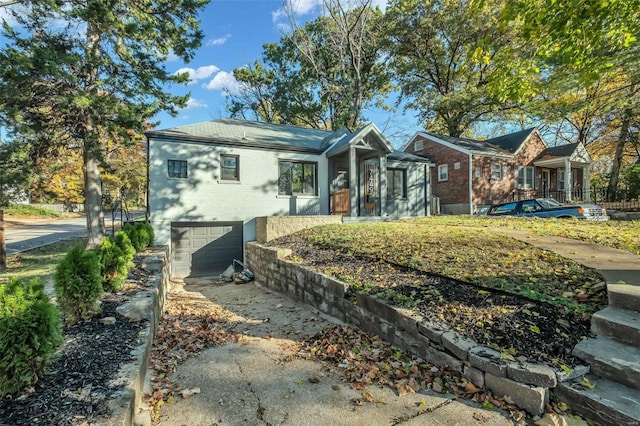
(177, 169)
(230, 167)
(443, 172)
(297, 177)
(496, 171)
(397, 183)
(525, 178)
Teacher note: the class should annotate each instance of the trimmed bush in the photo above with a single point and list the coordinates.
(115, 255)
(78, 284)
(140, 234)
(30, 333)
(121, 239)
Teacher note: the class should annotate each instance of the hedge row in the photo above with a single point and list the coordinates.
(30, 325)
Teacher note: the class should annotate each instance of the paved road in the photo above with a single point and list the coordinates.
(27, 234)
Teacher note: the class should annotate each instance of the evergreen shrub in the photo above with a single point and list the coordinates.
(115, 255)
(30, 334)
(78, 284)
(140, 233)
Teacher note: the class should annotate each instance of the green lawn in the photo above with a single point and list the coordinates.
(25, 210)
(623, 235)
(437, 245)
(39, 263)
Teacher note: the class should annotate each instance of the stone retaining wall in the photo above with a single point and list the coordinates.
(525, 383)
(145, 306)
(271, 227)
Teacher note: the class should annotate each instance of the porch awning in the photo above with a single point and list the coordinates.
(556, 157)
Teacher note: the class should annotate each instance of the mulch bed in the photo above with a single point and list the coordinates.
(520, 328)
(78, 385)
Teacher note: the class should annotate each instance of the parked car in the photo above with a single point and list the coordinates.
(548, 208)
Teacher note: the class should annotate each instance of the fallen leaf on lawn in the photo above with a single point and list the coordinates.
(368, 396)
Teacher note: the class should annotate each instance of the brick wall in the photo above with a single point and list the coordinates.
(455, 190)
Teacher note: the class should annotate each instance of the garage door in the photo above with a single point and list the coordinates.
(201, 249)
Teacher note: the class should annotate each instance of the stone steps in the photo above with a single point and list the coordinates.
(624, 296)
(608, 403)
(622, 325)
(611, 360)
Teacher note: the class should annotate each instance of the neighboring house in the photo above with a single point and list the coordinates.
(470, 174)
(209, 181)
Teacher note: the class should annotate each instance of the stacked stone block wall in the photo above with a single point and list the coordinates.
(525, 383)
(271, 227)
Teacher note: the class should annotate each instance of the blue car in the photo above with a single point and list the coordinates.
(548, 208)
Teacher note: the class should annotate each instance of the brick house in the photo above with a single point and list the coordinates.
(470, 174)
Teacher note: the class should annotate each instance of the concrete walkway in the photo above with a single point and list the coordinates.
(615, 266)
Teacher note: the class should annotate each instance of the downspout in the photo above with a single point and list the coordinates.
(470, 183)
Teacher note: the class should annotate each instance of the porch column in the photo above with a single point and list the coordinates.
(383, 185)
(586, 182)
(353, 182)
(567, 179)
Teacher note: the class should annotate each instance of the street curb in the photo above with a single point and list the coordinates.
(147, 305)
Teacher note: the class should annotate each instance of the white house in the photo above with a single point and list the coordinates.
(209, 181)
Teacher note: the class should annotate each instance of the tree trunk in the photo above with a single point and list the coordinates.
(93, 196)
(92, 154)
(617, 158)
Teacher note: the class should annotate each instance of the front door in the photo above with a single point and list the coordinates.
(546, 178)
(371, 191)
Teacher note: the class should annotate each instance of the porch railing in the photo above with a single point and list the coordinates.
(623, 199)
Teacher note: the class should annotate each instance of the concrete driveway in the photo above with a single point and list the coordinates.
(259, 380)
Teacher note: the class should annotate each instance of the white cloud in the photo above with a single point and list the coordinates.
(172, 57)
(198, 74)
(223, 81)
(195, 103)
(297, 7)
(219, 41)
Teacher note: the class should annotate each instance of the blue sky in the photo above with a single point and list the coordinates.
(235, 31)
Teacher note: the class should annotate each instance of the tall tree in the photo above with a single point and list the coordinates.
(582, 45)
(442, 53)
(83, 72)
(323, 74)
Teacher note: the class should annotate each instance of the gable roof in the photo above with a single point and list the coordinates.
(252, 134)
(505, 145)
(368, 131)
(566, 150)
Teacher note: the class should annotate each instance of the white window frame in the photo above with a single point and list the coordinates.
(177, 169)
(496, 171)
(443, 176)
(526, 177)
(478, 171)
(418, 145)
(561, 176)
(236, 170)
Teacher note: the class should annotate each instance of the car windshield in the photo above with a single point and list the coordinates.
(548, 203)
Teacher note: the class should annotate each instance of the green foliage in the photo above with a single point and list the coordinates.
(30, 333)
(78, 284)
(14, 171)
(115, 255)
(442, 54)
(631, 177)
(29, 210)
(140, 234)
(100, 76)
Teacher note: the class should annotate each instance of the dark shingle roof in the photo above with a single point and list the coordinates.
(502, 145)
(405, 156)
(512, 141)
(566, 150)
